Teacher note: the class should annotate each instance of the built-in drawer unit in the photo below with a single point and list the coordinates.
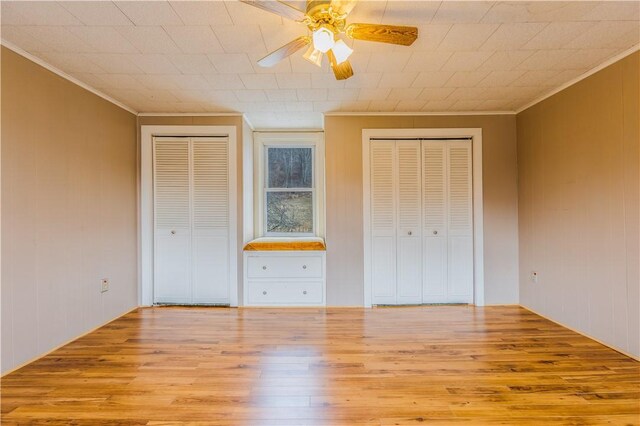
(279, 266)
(285, 293)
(284, 278)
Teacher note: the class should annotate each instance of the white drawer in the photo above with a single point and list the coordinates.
(287, 293)
(284, 266)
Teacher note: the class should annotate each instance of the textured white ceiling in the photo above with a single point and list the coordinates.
(200, 56)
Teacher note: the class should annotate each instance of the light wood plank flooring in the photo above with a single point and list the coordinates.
(384, 366)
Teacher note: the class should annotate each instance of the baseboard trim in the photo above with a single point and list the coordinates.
(34, 359)
(489, 305)
(582, 333)
(471, 305)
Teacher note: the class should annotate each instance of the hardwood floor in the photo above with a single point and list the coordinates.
(385, 366)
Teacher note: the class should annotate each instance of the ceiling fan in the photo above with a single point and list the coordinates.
(326, 19)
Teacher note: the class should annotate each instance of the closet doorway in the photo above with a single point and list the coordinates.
(422, 216)
(188, 215)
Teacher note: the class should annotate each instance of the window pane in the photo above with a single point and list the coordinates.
(290, 168)
(290, 212)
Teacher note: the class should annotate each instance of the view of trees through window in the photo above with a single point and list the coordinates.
(289, 196)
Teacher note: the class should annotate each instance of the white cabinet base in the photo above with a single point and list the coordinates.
(284, 278)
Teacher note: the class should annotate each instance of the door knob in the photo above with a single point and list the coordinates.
(435, 232)
(304, 266)
(264, 292)
(264, 267)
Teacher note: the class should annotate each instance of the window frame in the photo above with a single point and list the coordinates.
(262, 142)
(266, 189)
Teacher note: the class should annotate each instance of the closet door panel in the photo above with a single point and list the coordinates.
(409, 254)
(434, 189)
(210, 269)
(172, 260)
(409, 271)
(172, 272)
(383, 223)
(460, 269)
(434, 285)
(460, 215)
(460, 222)
(210, 183)
(383, 270)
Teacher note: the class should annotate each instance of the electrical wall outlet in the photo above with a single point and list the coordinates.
(534, 277)
(104, 285)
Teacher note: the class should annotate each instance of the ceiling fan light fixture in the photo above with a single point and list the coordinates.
(326, 21)
(341, 51)
(323, 39)
(313, 55)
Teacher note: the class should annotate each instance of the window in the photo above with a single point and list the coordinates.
(289, 190)
(289, 178)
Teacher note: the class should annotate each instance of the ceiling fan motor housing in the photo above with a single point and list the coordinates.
(315, 6)
(321, 14)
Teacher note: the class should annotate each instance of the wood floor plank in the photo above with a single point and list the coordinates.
(335, 366)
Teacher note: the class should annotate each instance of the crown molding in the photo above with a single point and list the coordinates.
(581, 77)
(190, 114)
(249, 123)
(289, 130)
(401, 114)
(64, 75)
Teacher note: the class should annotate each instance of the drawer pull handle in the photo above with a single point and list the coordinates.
(304, 292)
(264, 268)
(304, 266)
(264, 292)
(435, 232)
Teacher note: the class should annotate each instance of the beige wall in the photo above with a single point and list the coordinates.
(578, 185)
(343, 138)
(238, 122)
(68, 210)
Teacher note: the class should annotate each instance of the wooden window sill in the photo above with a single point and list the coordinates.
(286, 244)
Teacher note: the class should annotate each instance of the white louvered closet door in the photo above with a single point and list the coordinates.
(448, 222)
(460, 222)
(421, 222)
(210, 244)
(434, 190)
(383, 222)
(191, 205)
(172, 254)
(409, 240)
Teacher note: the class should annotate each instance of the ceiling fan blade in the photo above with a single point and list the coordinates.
(343, 70)
(343, 6)
(394, 34)
(277, 7)
(284, 52)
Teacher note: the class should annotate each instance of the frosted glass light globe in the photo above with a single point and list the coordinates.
(314, 56)
(341, 51)
(323, 39)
